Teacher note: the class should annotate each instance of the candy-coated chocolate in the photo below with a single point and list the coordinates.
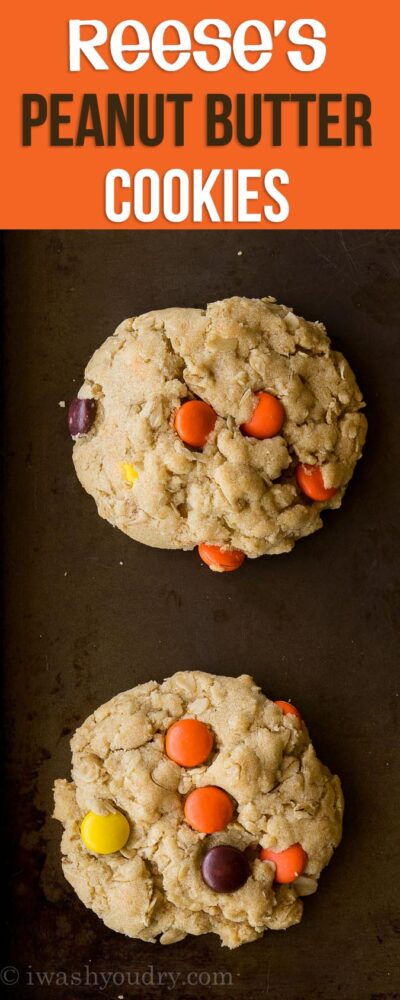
(81, 415)
(105, 834)
(221, 560)
(129, 472)
(289, 864)
(288, 709)
(310, 482)
(194, 421)
(189, 742)
(208, 809)
(267, 419)
(224, 868)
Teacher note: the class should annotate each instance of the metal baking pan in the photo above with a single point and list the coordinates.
(89, 613)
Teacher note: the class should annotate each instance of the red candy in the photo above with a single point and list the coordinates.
(208, 809)
(289, 864)
(310, 481)
(267, 419)
(189, 742)
(288, 709)
(222, 560)
(194, 421)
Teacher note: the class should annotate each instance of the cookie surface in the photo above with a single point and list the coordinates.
(237, 491)
(262, 758)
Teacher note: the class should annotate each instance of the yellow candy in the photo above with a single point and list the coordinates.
(129, 473)
(105, 834)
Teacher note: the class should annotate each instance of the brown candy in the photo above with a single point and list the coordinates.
(224, 868)
(81, 415)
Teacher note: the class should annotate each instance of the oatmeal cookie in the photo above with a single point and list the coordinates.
(150, 770)
(270, 443)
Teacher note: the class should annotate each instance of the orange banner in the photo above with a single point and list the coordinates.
(230, 117)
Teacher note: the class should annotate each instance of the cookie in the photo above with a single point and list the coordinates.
(196, 805)
(231, 427)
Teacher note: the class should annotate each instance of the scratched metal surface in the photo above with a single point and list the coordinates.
(89, 613)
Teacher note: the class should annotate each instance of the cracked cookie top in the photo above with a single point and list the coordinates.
(237, 491)
(261, 757)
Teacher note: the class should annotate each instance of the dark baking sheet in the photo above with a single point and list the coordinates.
(89, 613)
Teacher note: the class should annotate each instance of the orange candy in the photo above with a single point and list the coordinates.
(288, 709)
(288, 864)
(189, 742)
(310, 481)
(267, 419)
(208, 809)
(194, 421)
(222, 560)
